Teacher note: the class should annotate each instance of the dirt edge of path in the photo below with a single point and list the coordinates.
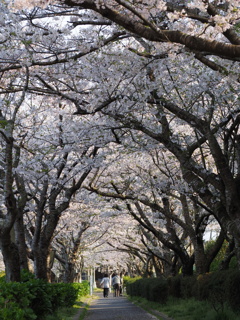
(86, 302)
(160, 314)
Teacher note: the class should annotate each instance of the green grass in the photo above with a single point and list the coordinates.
(177, 309)
(66, 313)
(191, 309)
(70, 313)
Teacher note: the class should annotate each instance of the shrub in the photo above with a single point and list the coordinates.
(202, 287)
(83, 288)
(145, 286)
(153, 289)
(174, 285)
(34, 299)
(219, 288)
(15, 301)
(68, 294)
(41, 302)
(26, 276)
(159, 291)
(132, 286)
(233, 290)
(188, 286)
(136, 288)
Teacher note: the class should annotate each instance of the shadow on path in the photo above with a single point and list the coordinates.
(116, 308)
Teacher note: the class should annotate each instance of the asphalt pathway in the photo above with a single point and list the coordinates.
(115, 308)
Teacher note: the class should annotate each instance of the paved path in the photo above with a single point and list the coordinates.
(119, 308)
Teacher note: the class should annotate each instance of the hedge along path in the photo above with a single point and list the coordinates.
(118, 308)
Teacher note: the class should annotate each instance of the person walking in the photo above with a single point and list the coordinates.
(113, 283)
(121, 284)
(105, 284)
(116, 281)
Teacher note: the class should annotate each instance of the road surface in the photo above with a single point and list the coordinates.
(116, 308)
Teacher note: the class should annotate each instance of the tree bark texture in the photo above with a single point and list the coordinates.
(137, 27)
(11, 258)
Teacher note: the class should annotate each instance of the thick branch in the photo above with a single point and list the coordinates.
(195, 43)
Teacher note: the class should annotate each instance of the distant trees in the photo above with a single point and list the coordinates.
(135, 102)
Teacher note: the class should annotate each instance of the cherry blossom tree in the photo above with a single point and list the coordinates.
(13, 192)
(103, 75)
(206, 28)
(52, 166)
(157, 197)
(77, 233)
(196, 110)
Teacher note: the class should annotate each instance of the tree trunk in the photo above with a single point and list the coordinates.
(21, 242)
(11, 258)
(69, 274)
(41, 263)
(187, 266)
(234, 228)
(158, 266)
(200, 259)
(224, 264)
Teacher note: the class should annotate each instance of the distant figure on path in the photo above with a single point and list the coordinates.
(121, 284)
(116, 281)
(105, 284)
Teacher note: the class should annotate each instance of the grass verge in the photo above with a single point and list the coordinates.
(76, 312)
(191, 309)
